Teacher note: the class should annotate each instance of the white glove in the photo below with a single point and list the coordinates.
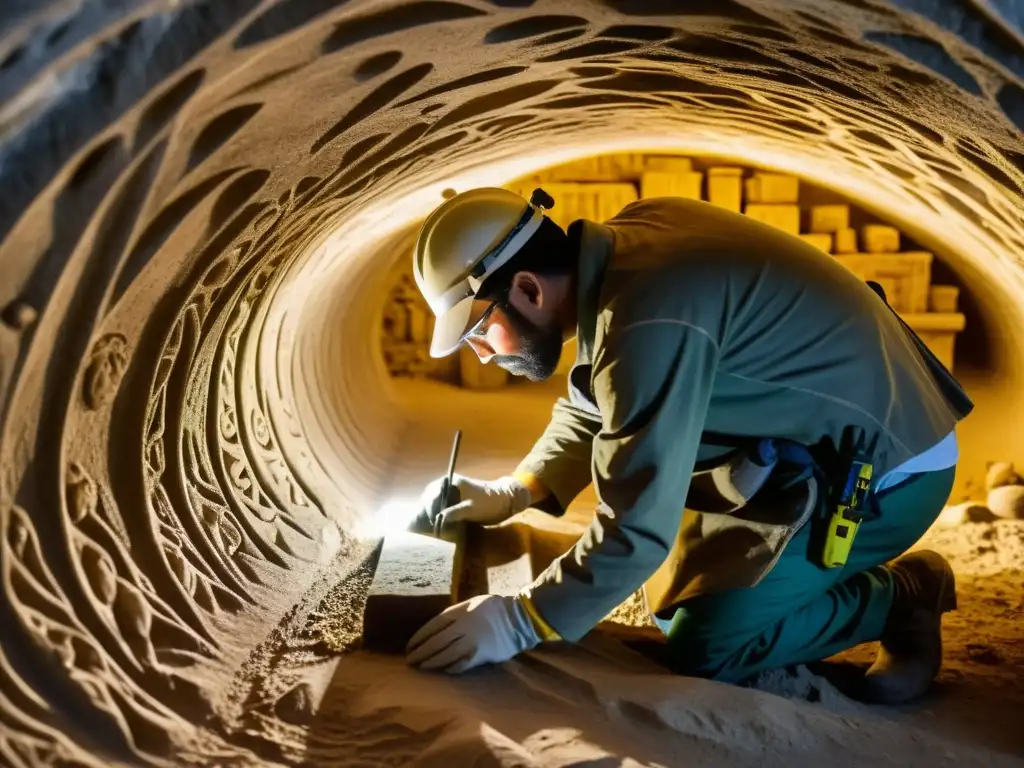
(487, 629)
(478, 501)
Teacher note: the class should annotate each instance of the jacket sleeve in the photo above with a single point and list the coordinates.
(653, 382)
(561, 458)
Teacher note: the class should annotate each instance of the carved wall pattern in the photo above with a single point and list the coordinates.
(171, 172)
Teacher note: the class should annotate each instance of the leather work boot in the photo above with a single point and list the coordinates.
(911, 652)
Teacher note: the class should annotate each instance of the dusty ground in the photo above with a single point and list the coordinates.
(310, 696)
(979, 697)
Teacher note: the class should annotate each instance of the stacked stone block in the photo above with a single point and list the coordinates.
(725, 188)
(905, 277)
(772, 198)
(598, 188)
(671, 184)
(593, 201)
(407, 325)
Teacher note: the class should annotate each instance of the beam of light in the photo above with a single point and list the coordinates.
(392, 517)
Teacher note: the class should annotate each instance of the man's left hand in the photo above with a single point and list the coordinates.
(487, 629)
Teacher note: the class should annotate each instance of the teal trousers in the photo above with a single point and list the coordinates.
(801, 612)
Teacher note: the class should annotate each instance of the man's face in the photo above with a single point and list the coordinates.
(523, 346)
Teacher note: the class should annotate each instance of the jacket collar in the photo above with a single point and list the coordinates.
(596, 243)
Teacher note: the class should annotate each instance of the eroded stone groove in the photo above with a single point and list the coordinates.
(174, 478)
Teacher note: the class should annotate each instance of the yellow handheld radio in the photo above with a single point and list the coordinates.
(847, 516)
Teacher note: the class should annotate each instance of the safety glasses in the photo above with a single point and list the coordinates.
(479, 328)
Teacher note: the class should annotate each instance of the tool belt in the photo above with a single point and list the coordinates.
(845, 504)
(844, 477)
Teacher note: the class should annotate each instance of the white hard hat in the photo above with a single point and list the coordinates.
(464, 241)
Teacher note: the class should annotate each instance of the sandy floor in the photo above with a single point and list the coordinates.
(979, 697)
(310, 697)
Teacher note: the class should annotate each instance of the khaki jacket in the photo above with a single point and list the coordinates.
(696, 323)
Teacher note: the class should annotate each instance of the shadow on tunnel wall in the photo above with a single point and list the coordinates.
(190, 197)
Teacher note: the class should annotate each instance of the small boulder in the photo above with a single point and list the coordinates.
(968, 512)
(1001, 473)
(1007, 501)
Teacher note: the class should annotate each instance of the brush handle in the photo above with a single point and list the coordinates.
(445, 492)
(446, 486)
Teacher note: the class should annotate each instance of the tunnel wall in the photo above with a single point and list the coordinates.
(193, 410)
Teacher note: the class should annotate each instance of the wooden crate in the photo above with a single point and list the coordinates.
(905, 277)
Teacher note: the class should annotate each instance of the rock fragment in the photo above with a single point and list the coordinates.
(1007, 502)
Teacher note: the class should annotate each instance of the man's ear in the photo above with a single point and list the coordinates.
(529, 287)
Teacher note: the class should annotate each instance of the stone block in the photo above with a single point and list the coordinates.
(942, 345)
(668, 164)
(879, 238)
(943, 298)
(626, 165)
(821, 242)
(938, 332)
(422, 364)
(669, 184)
(524, 186)
(725, 188)
(845, 241)
(412, 583)
(594, 202)
(784, 217)
(407, 290)
(829, 219)
(418, 323)
(496, 561)
(398, 356)
(772, 188)
(476, 375)
(906, 277)
(396, 321)
(603, 168)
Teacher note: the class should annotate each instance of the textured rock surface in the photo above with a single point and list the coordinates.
(412, 583)
(194, 199)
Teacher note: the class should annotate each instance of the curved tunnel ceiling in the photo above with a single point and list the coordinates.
(195, 197)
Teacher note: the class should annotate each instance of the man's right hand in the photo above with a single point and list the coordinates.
(478, 501)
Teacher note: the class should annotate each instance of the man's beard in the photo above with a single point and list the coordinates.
(541, 348)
